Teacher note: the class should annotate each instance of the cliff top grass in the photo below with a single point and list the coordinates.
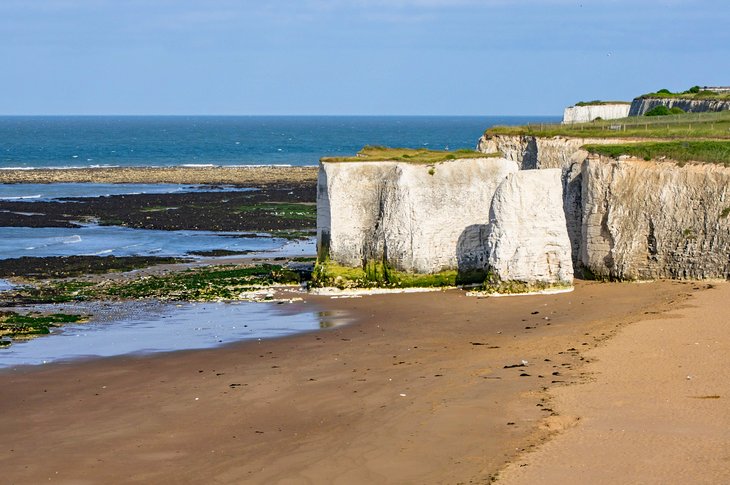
(598, 102)
(693, 93)
(682, 126)
(385, 154)
(704, 151)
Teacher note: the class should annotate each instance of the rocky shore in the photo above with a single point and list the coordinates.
(247, 176)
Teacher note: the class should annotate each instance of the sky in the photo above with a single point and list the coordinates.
(351, 57)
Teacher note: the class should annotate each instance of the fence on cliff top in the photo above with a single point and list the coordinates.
(674, 122)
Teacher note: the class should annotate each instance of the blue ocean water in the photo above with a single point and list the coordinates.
(90, 141)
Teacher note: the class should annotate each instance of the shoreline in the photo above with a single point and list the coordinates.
(202, 175)
(419, 388)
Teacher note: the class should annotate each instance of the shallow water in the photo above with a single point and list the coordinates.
(148, 327)
(93, 240)
(47, 192)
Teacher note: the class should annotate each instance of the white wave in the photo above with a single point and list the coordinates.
(75, 239)
(22, 197)
(198, 165)
(64, 167)
(99, 253)
(270, 165)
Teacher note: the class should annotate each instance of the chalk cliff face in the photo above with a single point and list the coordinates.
(584, 114)
(633, 219)
(542, 152)
(641, 105)
(418, 218)
(531, 152)
(527, 239)
(645, 220)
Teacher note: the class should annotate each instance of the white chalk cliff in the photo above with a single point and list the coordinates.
(641, 105)
(419, 218)
(647, 220)
(633, 219)
(527, 239)
(584, 114)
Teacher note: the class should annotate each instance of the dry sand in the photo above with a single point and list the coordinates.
(656, 408)
(415, 390)
(248, 175)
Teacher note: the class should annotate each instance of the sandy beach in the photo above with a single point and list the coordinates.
(418, 388)
(653, 409)
(245, 175)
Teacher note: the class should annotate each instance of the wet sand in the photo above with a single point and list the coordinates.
(655, 409)
(420, 388)
(249, 175)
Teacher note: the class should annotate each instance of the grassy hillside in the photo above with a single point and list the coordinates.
(598, 102)
(684, 126)
(706, 151)
(380, 153)
(692, 93)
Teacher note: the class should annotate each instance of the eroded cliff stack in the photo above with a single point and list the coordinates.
(418, 218)
(527, 239)
(431, 218)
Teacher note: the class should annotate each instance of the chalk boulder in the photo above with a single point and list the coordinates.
(527, 240)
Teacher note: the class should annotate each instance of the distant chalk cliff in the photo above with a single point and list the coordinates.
(590, 112)
(642, 105)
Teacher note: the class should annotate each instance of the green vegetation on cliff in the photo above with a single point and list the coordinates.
(695, 92)
(705, 151)
(598, 102)
(662, 110)
(377, 275)
(681, 126)
(410, 155)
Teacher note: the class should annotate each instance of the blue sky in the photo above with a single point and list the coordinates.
(420, 57)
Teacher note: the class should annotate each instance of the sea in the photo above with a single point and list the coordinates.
(65, 142)
(109, 141)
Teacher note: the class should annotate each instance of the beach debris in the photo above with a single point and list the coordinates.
(402, 395)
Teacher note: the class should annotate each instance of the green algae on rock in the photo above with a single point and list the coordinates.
(206, 284)
(16, 326)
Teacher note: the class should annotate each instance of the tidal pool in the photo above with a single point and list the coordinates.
(148, 327)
